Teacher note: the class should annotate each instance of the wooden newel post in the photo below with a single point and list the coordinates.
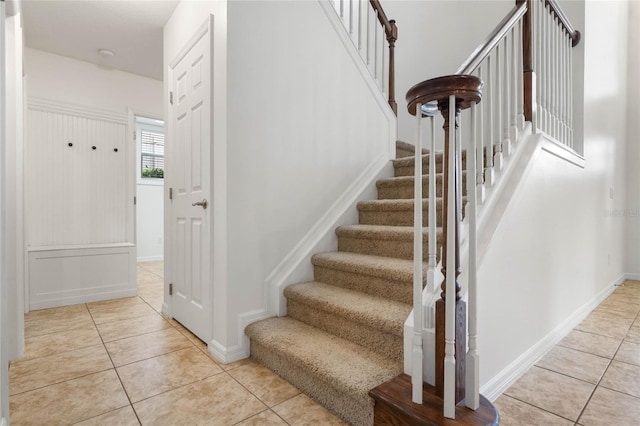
(451, 129)
(466, 89)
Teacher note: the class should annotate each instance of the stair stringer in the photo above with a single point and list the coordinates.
(497, 198)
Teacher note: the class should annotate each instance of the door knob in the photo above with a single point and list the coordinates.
(202, 204)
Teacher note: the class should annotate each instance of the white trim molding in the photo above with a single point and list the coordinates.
(501, 382)
(296, 265)
(77, 110)
(553, 147)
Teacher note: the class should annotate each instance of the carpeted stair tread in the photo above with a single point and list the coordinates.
(374, 266)
(347, 367)
(389, 205)
(375, 312)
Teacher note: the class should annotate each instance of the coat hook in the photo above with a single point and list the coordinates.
(115, 149)
(93, 147)
(70, 144)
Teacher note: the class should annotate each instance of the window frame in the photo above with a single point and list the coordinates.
(151, 125)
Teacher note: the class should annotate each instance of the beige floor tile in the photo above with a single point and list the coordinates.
(591, 343)
(189, 335)
(124, 416)
(599, 324)
(218, 400)
(111, 303)
(69, 402)
(132, 327)
(117, 313)
(149, 278)
(634, 334)
(609, 408)
(622, 377)
(37, 323)
(39, 372)
(571, 362)
(629, 352)
(302, 411)
(551, 391)
(62, 341)
(156, 375)
(624, 298)
(517, 413)
(266, 418)
(263, 383)
(627, 311)
(137, 348)
(236, 364)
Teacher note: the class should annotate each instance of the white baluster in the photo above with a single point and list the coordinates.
(450, 303)
(376, 31)
(506, 96)
(570, 95)
(472, 385)
(489, 174)
(360, 25)
(498, 101)
(479, 150)
(351, 18)
(416, 379)
(520, 77)
(432, 217)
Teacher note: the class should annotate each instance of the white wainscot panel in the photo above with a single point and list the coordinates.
(67, 276)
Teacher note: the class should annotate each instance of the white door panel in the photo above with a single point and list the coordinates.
(190, 179)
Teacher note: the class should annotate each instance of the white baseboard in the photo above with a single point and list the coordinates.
(4, 422)
(634, 277)
(499, 383)
(226, 355)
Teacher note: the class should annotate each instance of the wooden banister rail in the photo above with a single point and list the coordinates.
(572, 32)
(503, 28)
(391, 31)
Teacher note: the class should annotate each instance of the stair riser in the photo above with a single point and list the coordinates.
(405, 190)
(353, 411)
(408, 169)
(399, 249)
(400, 291)
(396, 218)
(386, 344)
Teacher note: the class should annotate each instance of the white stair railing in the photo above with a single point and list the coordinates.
(368, 27)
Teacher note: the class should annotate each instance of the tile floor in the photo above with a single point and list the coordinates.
(592, 377)
(121, 362)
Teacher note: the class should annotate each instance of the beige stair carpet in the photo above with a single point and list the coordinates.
(343, 334)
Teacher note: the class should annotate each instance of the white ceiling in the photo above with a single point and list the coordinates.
(78, 28)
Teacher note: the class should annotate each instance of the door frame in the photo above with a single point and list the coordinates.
(206, 29)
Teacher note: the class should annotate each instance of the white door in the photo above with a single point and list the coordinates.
(189, 174)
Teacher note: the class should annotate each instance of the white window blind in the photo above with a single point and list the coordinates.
(152, 153)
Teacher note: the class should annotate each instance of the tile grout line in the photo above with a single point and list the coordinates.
(114, 368)
(605, 371)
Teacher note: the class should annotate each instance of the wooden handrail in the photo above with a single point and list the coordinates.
(391, 31)
(573, 33)
(502, 29)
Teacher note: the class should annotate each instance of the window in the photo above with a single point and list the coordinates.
(150, 137)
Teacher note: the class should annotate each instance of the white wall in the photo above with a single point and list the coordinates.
(4, 302)
(150, 222)
(14, 186)
(558, 246)
(301, 126)
(63, 79)
(425, 49)
(632, 211)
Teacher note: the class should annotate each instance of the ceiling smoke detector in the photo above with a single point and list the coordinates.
(106, 53)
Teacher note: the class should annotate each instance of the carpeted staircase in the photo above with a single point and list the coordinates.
(343, 334)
